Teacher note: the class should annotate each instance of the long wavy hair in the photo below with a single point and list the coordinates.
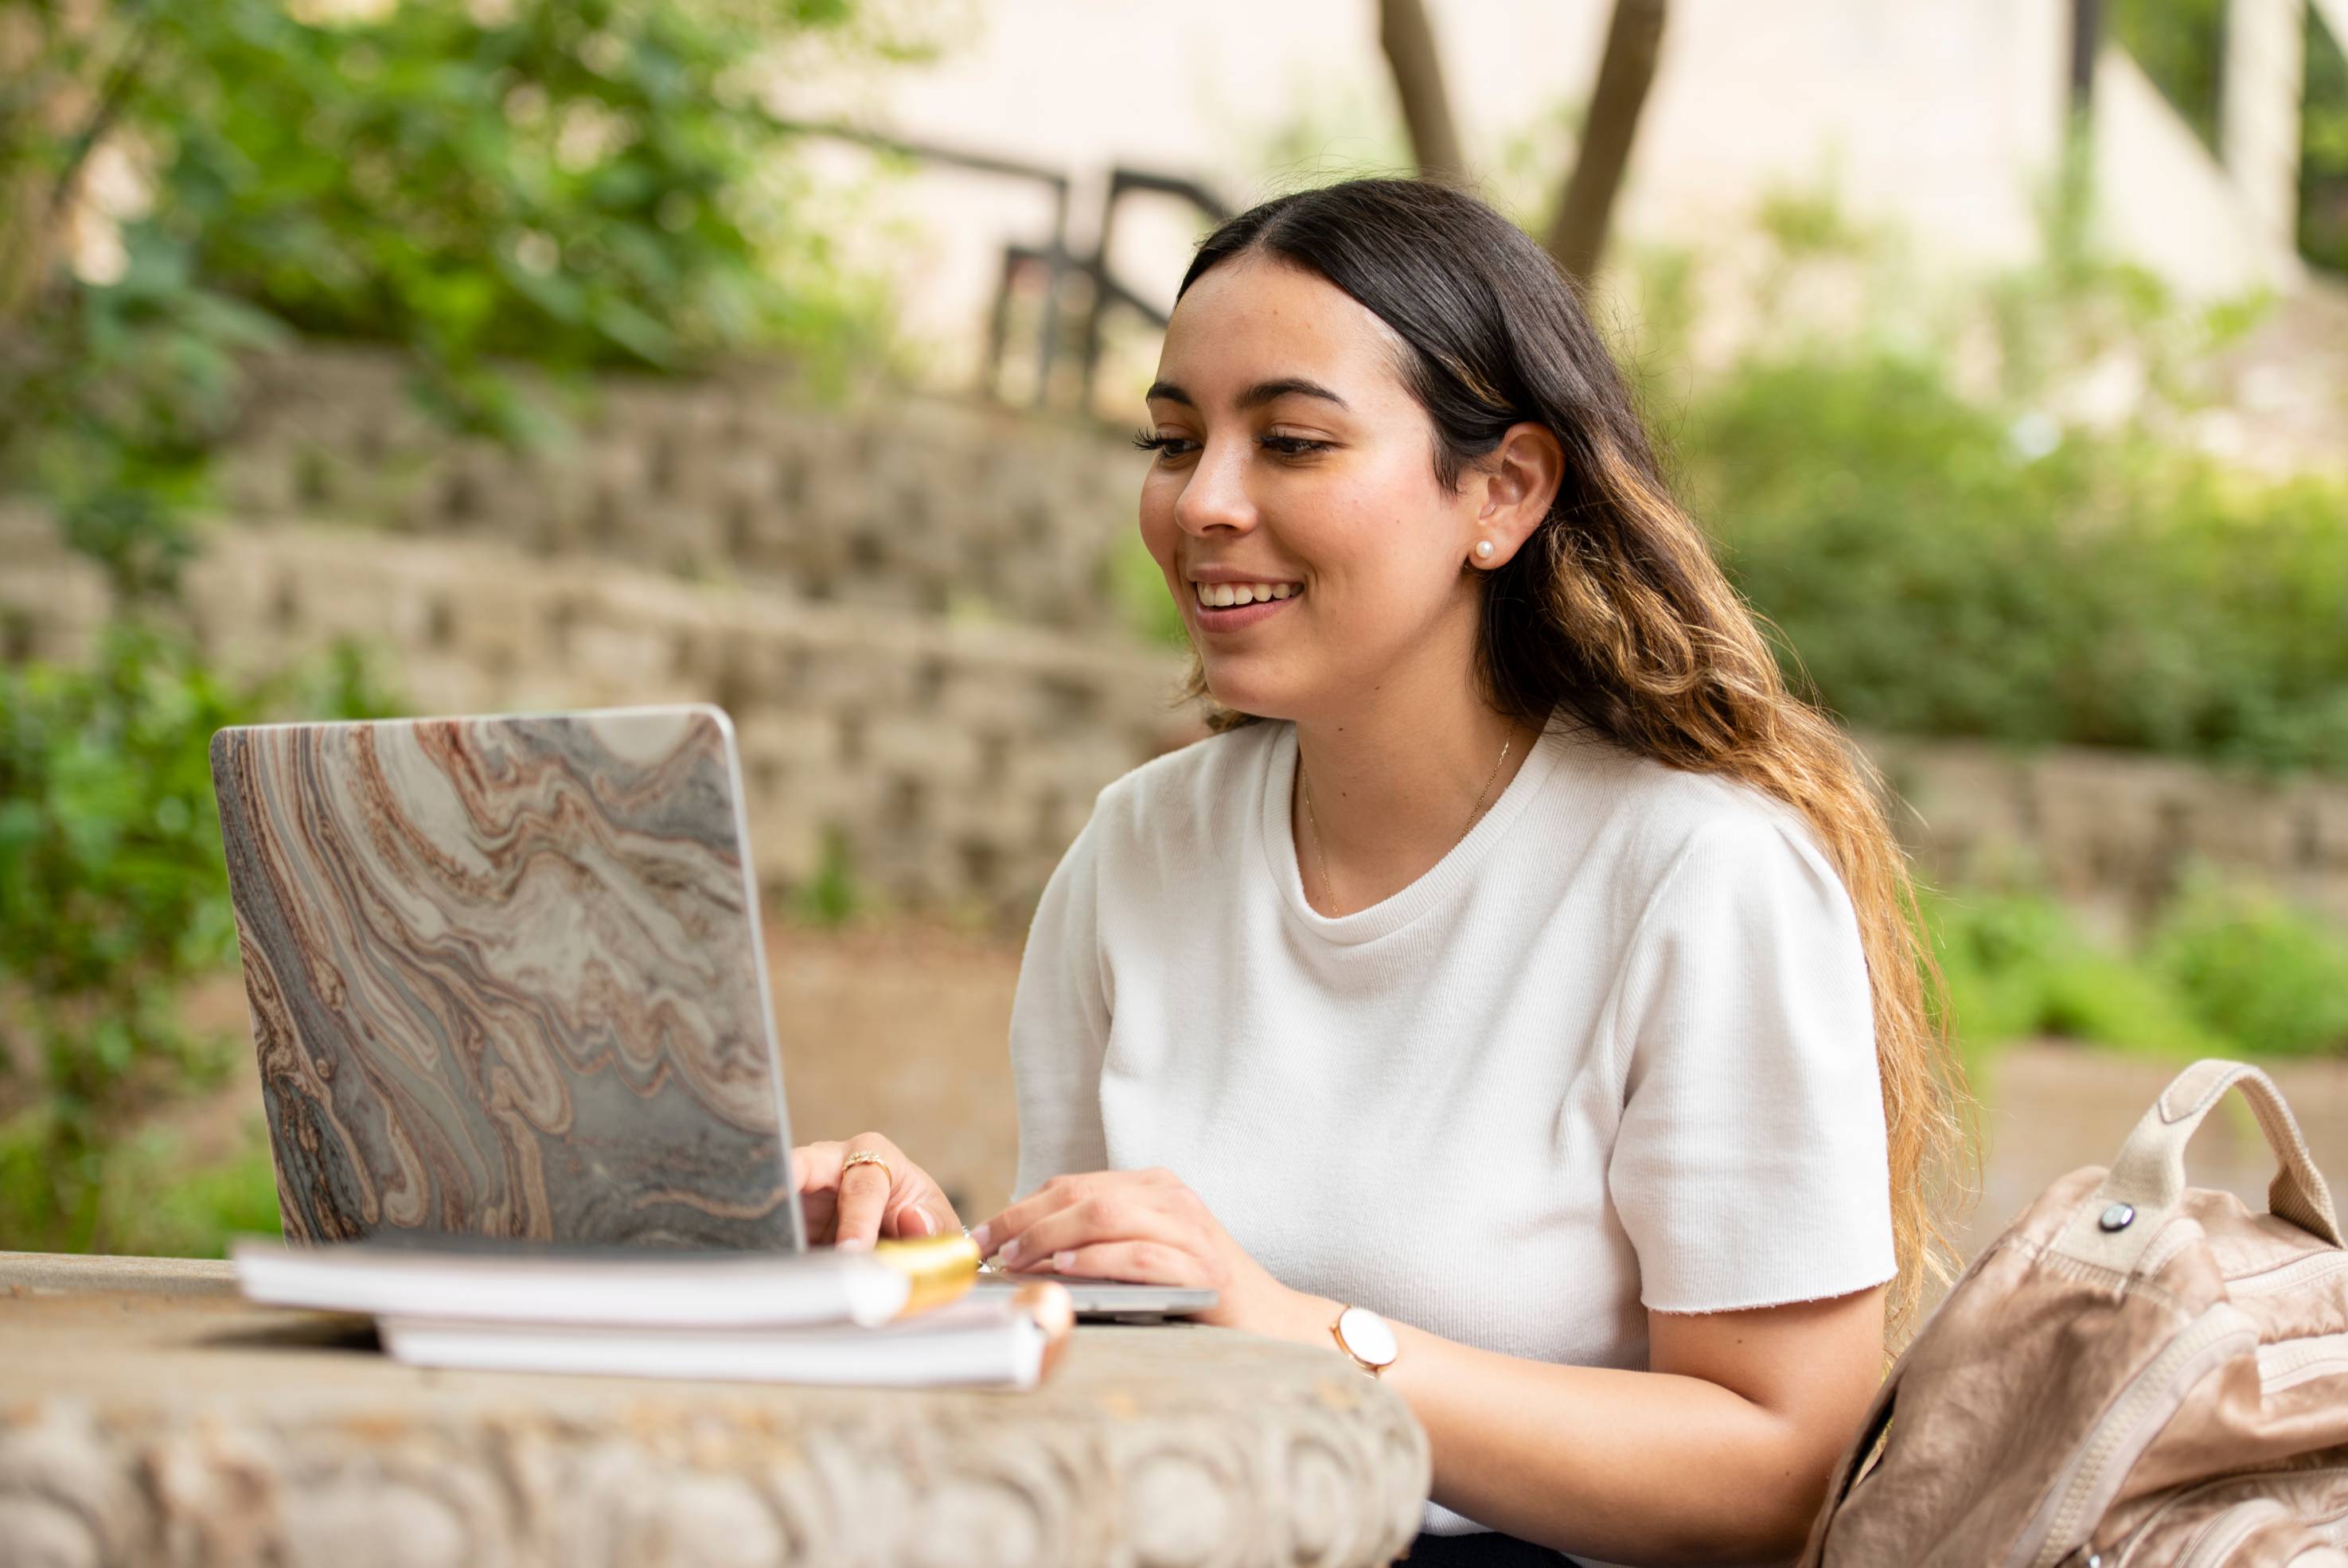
(1615, 611)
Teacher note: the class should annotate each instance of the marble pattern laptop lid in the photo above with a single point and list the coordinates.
(505, 978)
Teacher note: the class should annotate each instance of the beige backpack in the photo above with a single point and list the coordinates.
(2137, 1373)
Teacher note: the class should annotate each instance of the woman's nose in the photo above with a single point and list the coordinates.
(1215, 494)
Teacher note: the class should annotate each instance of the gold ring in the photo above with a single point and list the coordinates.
(866, 1157)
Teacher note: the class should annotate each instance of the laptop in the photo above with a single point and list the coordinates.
(507, 980)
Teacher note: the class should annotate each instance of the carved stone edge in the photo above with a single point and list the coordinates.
(1297, 1476)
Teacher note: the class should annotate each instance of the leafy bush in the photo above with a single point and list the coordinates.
(113, 896)
(2226, 971)
(581, 182)
(2254, 967)
(112, 892)
(568, 183)
(160, 1203)
(1939, 567)
(2016, 965)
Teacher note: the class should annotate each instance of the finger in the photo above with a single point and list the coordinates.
(817, 1165)
(863, 1198)
(1141, 1262)
(1106, 1216)
(1052, 1196)
(815, 1171)
(918, 1206)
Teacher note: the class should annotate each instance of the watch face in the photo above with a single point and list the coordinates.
(1367, 1335)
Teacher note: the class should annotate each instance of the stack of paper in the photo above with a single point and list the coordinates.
(900, 1315)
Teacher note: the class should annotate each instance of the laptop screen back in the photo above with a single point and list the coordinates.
(505, 978)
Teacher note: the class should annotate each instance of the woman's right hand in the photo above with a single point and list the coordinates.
(850, 1208)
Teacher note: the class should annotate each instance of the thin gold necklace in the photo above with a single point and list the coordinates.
(1328, 890)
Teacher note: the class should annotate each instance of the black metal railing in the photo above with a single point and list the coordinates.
(1058, 266)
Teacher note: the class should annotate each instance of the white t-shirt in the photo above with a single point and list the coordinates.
(1612, 1053)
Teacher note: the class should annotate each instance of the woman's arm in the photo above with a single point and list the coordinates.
(1719, 1454)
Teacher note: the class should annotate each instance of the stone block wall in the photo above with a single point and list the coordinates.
(955, 762)
(2114, 833)
(888, 499)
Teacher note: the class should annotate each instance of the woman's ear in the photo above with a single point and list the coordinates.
(1519, 482)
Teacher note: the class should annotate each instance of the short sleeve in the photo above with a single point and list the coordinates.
(1059, 1022)
(1748, 1167)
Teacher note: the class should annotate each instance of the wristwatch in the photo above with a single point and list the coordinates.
(1366, 1337)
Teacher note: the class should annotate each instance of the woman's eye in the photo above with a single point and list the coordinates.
(1164, 446)
(1169, 448)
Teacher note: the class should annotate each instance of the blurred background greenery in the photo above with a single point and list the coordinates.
(519, 199)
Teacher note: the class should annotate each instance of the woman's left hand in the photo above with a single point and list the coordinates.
(1144, 1226)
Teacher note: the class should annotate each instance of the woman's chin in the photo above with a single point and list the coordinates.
(1263, 699)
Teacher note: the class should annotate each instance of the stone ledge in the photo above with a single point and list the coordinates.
(148, 1416)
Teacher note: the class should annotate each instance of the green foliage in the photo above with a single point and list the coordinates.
(2323, 149)
(2254, 967)
(159, 1202)
(1804, 222)
(116, 404)
(571, 184)
(154, 1197)
(113, 897)
(2182, 45)
(832, 897)
(112, 892)
(1144, 601)
(565, 183)
(2226, 971)
(1943, 568)
(2016, 966)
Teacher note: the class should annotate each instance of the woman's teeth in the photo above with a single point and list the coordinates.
(1219, 595)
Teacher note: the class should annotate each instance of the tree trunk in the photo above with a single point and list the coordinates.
(1409, 40)
(1634, 40)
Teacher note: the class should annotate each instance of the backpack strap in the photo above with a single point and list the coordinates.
(2150, 1174)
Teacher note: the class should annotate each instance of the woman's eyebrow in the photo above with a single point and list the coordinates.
(1255, 396)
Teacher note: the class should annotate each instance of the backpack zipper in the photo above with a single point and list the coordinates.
(2290, 1275)
(2287, 1363)
(2122, 1433)
(2219, 1537)
(2333, 1526)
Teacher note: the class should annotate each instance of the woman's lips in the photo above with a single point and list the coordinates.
(1230, 618)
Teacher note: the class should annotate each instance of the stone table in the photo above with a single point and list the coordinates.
(148, 1416)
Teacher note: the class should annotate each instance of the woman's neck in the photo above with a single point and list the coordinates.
(1393, 787)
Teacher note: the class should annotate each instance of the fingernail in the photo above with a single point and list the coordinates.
(915, 1222)
(979, 1237)
(1060, 1262)
(851, 1244)
(1010, 1253)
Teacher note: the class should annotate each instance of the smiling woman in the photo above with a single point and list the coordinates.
(1515, 991)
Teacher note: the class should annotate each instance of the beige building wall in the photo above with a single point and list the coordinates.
(1944, 116)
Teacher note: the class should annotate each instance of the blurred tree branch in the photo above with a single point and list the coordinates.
(1409, 40)
(1577, 235)
(119, 80)
(1633, 41)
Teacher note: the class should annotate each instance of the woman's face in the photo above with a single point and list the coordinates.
(1292, 455)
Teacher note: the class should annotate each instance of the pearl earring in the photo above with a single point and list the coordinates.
(1483, 549)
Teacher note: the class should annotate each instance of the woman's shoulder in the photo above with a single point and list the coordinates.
(1656, 816)
(1199, 787)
